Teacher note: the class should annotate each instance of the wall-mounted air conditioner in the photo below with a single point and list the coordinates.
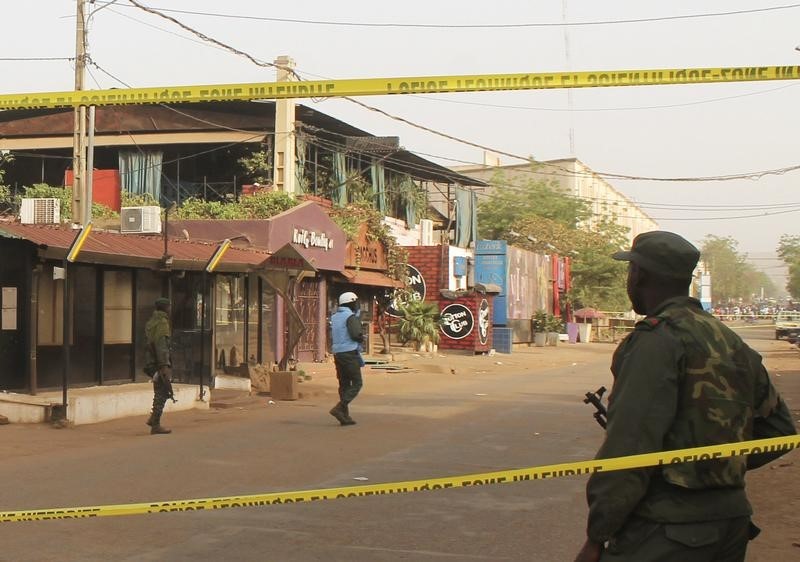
(426, 232)
(40, 210)
(140, 220)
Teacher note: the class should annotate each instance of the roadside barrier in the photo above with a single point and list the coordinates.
(480, 479)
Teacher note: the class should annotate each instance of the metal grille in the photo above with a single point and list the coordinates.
(307, 302)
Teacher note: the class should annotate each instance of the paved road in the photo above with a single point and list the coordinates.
(411, 426)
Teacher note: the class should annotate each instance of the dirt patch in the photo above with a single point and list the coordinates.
(773, 489)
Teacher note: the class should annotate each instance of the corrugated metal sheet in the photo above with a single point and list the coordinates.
(113, 248)
(371, 278)
(258, 117)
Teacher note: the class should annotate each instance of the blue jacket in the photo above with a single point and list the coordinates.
(345, 330)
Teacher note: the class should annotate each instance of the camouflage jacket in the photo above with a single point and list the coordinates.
(157, 335)
(682, 379)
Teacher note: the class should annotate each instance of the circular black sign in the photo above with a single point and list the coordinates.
(457, 321)
(483, 322)
(414, 291)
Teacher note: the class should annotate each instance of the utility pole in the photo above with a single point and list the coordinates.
(283, 175)
(79, 128)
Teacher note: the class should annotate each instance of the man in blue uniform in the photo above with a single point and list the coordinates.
(347, 337)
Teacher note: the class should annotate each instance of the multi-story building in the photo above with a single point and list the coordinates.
(575, 178)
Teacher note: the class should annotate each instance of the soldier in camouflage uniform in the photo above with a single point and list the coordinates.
(681, 379)
(158, 363)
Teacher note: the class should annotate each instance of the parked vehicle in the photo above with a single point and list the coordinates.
(787, 325)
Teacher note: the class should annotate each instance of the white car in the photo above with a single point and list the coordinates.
(787, 325)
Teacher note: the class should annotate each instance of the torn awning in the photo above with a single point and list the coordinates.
(373, 278)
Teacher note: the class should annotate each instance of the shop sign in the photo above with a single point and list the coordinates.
(414, 291)
(483, 322)
(311, 239)
(457, 321)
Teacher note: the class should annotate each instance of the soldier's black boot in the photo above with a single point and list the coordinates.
(347, 419)
(155, 419)
(159, 430)
(338, 412)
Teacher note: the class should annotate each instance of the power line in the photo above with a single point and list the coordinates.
(205, 37)
(476, 104)
(601, 109)
(165, 30)
(749, 175)
(605, 214)
(521, 25)
(677, 207)
(176, 110)
(29, 59)
(604, 200)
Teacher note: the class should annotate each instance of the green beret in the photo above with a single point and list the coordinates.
(163, 301)
(663, 253)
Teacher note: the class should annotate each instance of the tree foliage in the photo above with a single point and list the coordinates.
(64, 196)
(732, 278)
(257, 165)
(419, 323)
(351, 218)
(259, 205)
(537, 217)
(5, 159)
(789, 251)
(535, 198)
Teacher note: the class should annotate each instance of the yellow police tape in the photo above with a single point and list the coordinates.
(500, 477)
(407, 85)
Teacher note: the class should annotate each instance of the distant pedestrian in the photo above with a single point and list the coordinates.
(682, 379)
(347, 338)
(158, 363)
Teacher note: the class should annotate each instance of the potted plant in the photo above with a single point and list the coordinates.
(554, 327)
(539, 328)
(419, 325)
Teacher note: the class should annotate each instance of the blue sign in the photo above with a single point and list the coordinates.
(491, 265)
(491, 247)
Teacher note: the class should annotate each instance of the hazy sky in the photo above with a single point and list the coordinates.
(662, 131)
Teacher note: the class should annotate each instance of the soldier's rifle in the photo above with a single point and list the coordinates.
(595, 399)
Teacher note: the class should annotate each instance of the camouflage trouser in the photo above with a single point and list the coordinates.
(160, 395)
(642, 540)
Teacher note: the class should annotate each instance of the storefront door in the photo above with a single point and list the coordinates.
(307, 303)
(12, 324)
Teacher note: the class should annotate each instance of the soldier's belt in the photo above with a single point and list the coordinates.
(729, 450)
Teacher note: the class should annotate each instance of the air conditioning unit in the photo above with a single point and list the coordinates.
(140, 220)
(426, 232)
(40, 210)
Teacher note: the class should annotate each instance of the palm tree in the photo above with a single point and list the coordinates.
(420, 323)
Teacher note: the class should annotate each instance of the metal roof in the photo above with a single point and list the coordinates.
(235, 117)
(132, 250)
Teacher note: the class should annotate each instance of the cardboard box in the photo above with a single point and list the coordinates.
(283, 385)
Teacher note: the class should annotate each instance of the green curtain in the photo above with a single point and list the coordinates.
(379, 184)
(466, 217)
(340, 177)
(408, 190)
(140, 171)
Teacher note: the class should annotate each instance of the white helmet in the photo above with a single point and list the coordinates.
(347, 298)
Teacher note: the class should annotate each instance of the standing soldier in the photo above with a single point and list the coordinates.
(158, 363)
(347, 337)
(682, 379)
